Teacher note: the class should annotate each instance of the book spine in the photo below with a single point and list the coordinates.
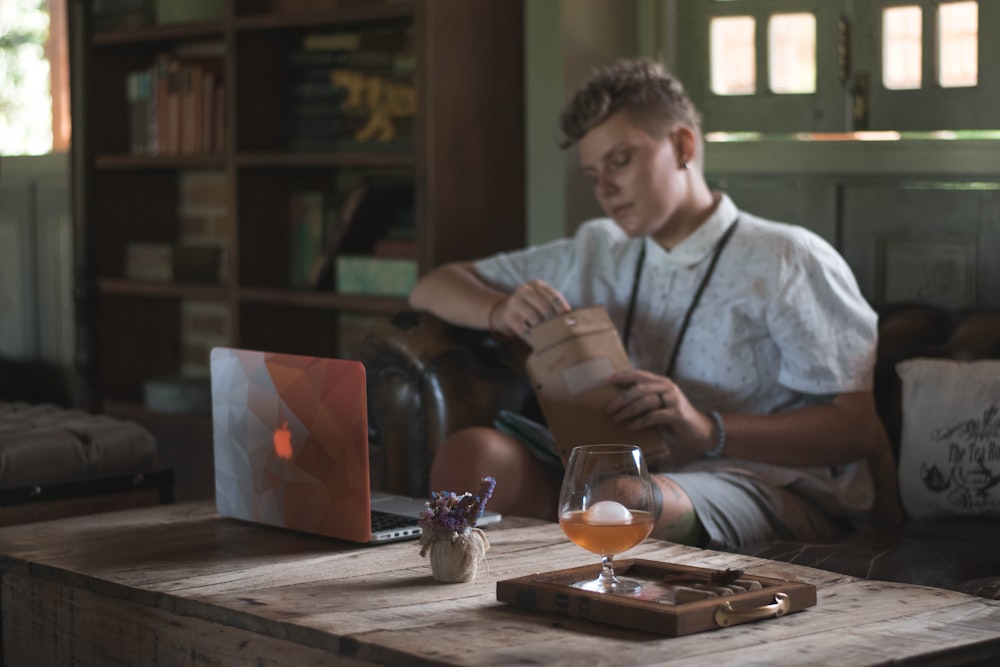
(219, 119)
(307, 227)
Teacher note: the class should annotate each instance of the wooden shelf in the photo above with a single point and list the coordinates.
(452, 176)
(125, 287)
(159, 33)
(126, 161)
(346, 16)
(353, 158)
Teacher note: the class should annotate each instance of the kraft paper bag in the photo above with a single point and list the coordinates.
(572, 356)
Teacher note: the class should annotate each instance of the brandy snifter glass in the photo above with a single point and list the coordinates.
(606, 506)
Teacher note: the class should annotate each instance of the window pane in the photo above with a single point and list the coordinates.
(958, 44)
(25, 102)
(791, 53)
(901, 48)
(734, 56)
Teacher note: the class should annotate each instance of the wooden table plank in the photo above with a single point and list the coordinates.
(233, 589)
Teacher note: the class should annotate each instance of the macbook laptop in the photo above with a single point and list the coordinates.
(291, 448)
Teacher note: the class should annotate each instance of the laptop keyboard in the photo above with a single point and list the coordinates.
(388, 521)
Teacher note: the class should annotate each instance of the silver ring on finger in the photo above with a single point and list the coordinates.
(663, 401)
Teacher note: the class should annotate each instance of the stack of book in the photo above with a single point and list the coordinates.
(167, 262)
(177, 106)
(334, 82)
(118, 14)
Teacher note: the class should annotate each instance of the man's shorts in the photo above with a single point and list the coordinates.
(737, 509)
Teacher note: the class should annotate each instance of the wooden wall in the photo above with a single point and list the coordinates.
(916, 220)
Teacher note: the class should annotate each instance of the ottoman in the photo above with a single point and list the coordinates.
(57, 461)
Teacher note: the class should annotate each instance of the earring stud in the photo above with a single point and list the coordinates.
(687, 165)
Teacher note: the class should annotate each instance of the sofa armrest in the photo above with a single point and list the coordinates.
(427, 379)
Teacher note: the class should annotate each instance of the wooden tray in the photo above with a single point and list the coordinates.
(654, 608)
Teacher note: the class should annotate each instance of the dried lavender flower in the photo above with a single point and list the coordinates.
(449, 512)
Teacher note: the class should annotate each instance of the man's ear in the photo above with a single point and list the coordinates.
(685, 145)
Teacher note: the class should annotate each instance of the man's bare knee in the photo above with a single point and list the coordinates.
(524, 485)
(676, 520)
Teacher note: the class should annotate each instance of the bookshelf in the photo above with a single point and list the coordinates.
(181, 246)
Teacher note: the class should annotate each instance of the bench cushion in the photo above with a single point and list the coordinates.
(47, 444)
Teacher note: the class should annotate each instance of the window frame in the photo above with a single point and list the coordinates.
(831, 108)
(765, 111)
(921, 109)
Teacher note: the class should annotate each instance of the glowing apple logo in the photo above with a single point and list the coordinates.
(283, 441)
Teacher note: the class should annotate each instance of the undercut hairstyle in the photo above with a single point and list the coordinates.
(640, 87)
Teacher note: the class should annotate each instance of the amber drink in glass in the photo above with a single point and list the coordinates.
(606, 506)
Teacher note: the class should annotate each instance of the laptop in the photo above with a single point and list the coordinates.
(291, 448)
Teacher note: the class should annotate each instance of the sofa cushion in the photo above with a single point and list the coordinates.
(46, 444)
(950, 443)
(957, 553)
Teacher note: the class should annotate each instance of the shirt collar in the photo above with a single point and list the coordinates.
(702, 241)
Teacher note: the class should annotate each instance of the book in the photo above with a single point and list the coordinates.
(176, 106)
(365, 210)
(396, 248)
(326, 59)
(375, 276)
(219, 119)
(331, 41)
(311, 219)
(188, 11)
(149, 261)
(161, 145)
(118, 14)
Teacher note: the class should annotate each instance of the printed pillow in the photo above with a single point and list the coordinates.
(949, 460)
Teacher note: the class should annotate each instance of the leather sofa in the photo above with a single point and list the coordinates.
(427, 379)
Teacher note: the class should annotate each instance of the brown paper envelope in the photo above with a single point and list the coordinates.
(572, 356)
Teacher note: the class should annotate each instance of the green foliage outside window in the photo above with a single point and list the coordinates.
(25, 100)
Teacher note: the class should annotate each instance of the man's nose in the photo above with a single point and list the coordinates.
(606, 186)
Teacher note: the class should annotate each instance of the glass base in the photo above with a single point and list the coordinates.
(615, 587)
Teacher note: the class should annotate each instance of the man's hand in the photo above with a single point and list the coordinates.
(646, 399)
(528, 306)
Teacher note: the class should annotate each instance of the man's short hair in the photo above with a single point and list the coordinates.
(640, 87)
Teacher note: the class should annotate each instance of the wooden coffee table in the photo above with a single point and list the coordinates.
(180, 584)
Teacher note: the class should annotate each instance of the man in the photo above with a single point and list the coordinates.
(753, 347)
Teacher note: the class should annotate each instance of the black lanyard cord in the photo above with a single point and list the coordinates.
(694, 300)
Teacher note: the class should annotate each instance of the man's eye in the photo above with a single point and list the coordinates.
(621, 160)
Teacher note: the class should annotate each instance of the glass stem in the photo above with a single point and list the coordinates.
(607, 578)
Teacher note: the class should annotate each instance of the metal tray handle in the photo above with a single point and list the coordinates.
(726, 616)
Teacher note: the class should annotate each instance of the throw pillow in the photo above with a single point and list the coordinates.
(949, 462)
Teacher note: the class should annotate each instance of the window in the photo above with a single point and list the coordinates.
(902, 31)
(791, 53)
(835, 66)
(734, 55)
(958, 44)
(34, 100)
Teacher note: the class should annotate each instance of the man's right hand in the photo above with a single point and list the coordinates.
(528, 306)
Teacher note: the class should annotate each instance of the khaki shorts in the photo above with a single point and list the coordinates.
(739, 510)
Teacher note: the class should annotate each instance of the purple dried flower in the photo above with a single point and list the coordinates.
(449, 512)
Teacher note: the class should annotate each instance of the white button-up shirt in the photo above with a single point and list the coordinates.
(781, 320)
